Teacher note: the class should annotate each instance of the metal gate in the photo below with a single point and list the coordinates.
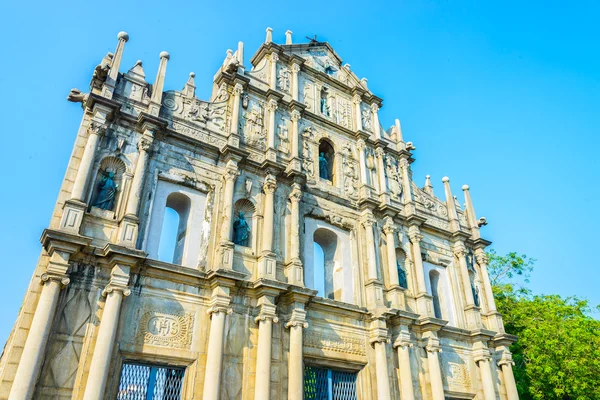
(327, 384)
(150, 382)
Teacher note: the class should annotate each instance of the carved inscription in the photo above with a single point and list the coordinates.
(341, 344)
(165, 328)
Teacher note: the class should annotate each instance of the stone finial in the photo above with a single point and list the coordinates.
(164, 54)
(364, 81)
(124, 36)
(240, 53)
(399, 137)
(269, 37)
(450, 204)
(159, 82)
(428, 188)
(471, 217)
(189, 90)
(288, 37)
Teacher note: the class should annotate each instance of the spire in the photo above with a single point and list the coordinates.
(399, 138)
(189, 90)
(113, 73)
(428, 188)
(269, 37)
(159, 83)
(137, 71)
(471, 216)
(240, 53)
(452, 214)
(288, 37)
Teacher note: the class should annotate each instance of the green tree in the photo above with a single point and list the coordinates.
(557, 355)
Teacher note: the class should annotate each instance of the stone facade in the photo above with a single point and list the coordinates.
(399, 302)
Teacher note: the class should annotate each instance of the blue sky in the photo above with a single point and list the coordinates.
(504, 97)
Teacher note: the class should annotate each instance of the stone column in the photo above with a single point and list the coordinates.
(238, 89)
(483, 359)
(103, 350)
(381, 170)
(267, 262)
(294, 268)
(415, 238)
(218, 310)
(402, 345)
(144, 146)
(231, 174)
(383, 383)
(362, 162)
(273, 68)
(271, 153)
(95, 131)
(368, 223)
(295, 365)
(460, 252)
(34, 350)
(295, 117)
(356, 100)
(510, 385)
(482, 260)
(265, 321)
(159, 83)
(389, 229)
(295, 86)
(435, 373)
(376, 125)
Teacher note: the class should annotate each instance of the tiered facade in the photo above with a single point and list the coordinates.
(306, 262)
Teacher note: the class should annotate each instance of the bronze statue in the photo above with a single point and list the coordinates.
(107, 192)
(323, 166)
(241, 230)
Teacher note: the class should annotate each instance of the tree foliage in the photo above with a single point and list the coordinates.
(557, 355)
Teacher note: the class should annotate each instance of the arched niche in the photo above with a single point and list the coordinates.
(329, 266)
(438, 286)
(189, 206)
(107, 186)
(401, 267)
(327, 160)
(437, 292)
(246, 208)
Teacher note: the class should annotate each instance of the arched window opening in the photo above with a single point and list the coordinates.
(436, 289)
(172, 242)
(327, 268)
(243, 227)
(401, 266)
(326, 161)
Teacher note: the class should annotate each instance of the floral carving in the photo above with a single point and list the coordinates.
(341, 344)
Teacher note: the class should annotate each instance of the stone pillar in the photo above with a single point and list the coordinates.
(483, 359)
(376, 125)
(403, 345)
(423, 303)
(482, 260)
(296, 324)
(295, 86)
(218, 310)
(356, 100)
(113, 73)
(159, 83)
(294, 269)
(368, 223)
(362, 162)
(271, 153)
(273, 68)
(433, 361)
(389, 229)
(265, 321)
(506, 363)
(460, 252)
(295, 117)
(383, 383)
(103, 349)
(34, 350)
(381, 170)
(95, 131)
(238, 89)
(226, 245)
(267, 262)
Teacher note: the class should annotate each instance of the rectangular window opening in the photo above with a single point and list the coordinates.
(328, 384)
(150, 382)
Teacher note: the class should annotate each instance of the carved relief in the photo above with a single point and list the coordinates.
(165, 328)
(394, 174)
(253, 120)
(341, 344)
(350, 169)
(284, 79)
(284, 136)
(456, 371)
(212, 115)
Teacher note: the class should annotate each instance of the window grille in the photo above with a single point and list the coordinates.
(150, 382)
(327, 384)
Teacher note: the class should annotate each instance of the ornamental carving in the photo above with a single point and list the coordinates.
(284, 79)
(340, 344)
(350, 169)
(165, 328)
(254, 132)
(394, 174)
(212, 115)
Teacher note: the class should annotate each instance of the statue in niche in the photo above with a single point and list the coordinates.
(366, 120)
(475, 291)
(107, 190)
(323, 167)
(402, 276)
(283, 79)
(325, 108)
(241, 230)
(253, 133)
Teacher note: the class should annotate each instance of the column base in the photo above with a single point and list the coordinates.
(271, 155)
(425, 305)
(294, 167)
(384, 199)
(225, 255)
(267, 265)
(473, 317)
(365, 192)
(395, 296)
(128, 231)
(233, 140)
(73, 212)
(374, 290)
(294, 272)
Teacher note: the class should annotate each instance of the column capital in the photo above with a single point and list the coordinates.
(145, 143)
(402, 342)
(119, 280)
(274, 57)
(264, 316)
(379, 152)
(295, 67)
(403, 163)
(414, 234)
(125, 291)
(481, 257)
(482, 355)
(96, 128)
(219, 308)
(48, 277)
(272, 105)
(460, 250)
(360, 144)
(296, 193)
(356, 99)
(270, 184)
(298, 318)
(433, 345)
(374, 107)
(231, 171)
(389, 227)
(238, 89)
(295, 115)
(368, 222)
(505, 359)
